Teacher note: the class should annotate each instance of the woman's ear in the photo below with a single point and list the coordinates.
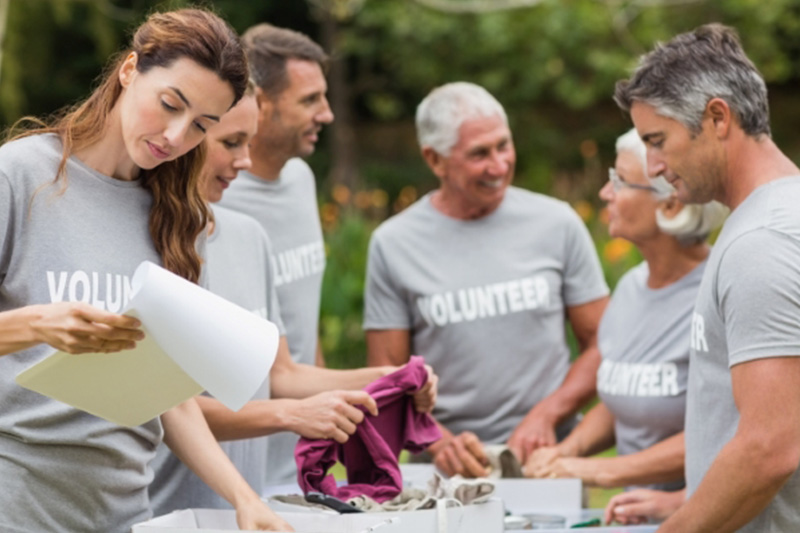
(671, 206)
(128, 69)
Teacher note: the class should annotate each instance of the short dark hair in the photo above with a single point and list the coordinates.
(268, 49)
(680, 77)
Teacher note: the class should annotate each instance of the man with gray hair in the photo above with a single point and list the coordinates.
(701, 108)
(478, 277)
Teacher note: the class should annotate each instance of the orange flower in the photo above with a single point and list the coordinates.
(341, 194)
(584, 210)
(616, 250)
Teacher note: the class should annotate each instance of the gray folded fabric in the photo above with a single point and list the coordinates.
(502, 462)
(455, 490)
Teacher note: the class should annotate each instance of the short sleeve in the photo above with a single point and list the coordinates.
(758, 294)
(384, 305)
(583, 276)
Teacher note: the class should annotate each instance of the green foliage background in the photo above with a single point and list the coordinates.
(552, 65)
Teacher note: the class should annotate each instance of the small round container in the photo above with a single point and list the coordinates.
(516, 522)
(547, 521)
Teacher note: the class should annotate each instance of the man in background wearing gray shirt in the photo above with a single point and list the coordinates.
(701, 108)
(478, 277)
(279, 191)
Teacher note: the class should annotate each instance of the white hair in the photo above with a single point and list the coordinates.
(692, 224)
(441, 114)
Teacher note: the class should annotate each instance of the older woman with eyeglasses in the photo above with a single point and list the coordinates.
(643, 338)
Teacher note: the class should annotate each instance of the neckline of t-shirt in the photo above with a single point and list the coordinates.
(261, 182)
(134, 183)
(764, 189)
(427, 201)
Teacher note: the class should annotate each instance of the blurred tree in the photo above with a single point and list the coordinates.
(553, 65)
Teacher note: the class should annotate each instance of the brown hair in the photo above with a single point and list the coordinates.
(269, 48)
(178, 213)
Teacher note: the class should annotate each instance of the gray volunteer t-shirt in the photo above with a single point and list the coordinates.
(485, 302)
(644, 341)
(63, 469)
(239, 270)
(287, 210)
(748, 308)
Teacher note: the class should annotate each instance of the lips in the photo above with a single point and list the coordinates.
(156, 151)
(224, 182)
(492, 184)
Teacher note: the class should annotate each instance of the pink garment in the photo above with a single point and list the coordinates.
(370, 455)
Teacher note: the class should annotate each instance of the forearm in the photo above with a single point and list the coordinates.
(16, 333)
(301, 381)
(190, 439)
(388, 347)
(660, 463)
(319, 359)
(741, 482)
(256, 419)
(447, 435)
(593, 435)
(578, 388)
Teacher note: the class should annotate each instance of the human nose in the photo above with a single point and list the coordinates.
(607, 192)
(176, 132)
(655, 165)
(243, 162)
(325, 114)
(499, 164)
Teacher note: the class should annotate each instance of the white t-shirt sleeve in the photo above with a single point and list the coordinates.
(758, 293)
(384, 304)
(583, 276)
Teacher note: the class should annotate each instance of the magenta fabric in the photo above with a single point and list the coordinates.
(370, 455)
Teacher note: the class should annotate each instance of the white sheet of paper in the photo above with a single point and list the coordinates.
(194, 340)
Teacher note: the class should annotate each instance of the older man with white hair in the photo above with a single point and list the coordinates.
(478, 277)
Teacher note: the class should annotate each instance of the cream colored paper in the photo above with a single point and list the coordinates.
(195, 340)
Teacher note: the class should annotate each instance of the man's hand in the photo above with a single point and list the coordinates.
(535, 431)
(461, 454)
(330, 415)
(540, 460)
(637, 506)
(425, 398)
(588, 470)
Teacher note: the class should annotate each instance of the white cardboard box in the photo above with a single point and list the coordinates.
(480, 518)
(519, 495)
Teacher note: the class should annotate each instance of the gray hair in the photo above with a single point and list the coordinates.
(441, 114)
(692, 224)
(679, 78)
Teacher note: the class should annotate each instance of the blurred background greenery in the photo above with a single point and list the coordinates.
(552, 63)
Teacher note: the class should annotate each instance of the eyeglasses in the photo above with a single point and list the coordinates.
(618, 183)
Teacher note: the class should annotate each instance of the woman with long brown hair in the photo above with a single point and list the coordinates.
(84, 200)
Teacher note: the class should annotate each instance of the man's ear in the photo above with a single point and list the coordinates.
(436, 161)
(128, 69)
(266, 105)
(721, 116)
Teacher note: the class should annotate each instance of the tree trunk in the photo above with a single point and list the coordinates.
(344, 146)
